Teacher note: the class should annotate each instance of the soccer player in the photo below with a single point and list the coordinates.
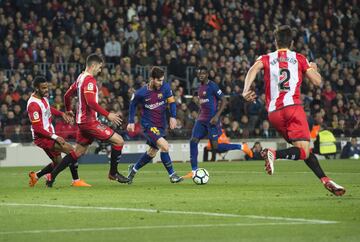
(89, 128)
(40, 114)
(283, 74)
(208, 122)
(154, 99)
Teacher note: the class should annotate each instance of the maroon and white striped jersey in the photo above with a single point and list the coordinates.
(283, 74)
(39, 112)
(87, 93)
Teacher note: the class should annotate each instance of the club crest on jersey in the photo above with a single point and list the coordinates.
(160, 96)
(36, 115)
(90, 87)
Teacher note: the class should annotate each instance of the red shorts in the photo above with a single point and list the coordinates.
(291, 122)
(47, 144)
(87, 132)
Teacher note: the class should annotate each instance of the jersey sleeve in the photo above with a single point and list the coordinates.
(303, 63)
(67, 97)
(217, 91)
(55, 112)
(34, 113)
(135, 100)
(168, 94)
(35, 116)
(90, 90)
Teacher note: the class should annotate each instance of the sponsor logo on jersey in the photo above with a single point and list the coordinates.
(204, 100)
(107, 132)
(219, 92)
(155, 105)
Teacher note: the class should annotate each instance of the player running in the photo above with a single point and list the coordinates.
(283, 75)
(40, 114)
(89, 128)
(208, 122)
(154, 99)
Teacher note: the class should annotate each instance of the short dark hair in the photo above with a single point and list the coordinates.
(283, 36)
(93, 58)
(202, 68)
(38, 80)
(156, 72)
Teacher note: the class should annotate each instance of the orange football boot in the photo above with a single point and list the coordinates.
(80, 183)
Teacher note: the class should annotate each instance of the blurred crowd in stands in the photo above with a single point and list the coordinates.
(54, 37)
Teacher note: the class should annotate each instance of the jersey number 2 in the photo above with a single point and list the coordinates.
(284, 78)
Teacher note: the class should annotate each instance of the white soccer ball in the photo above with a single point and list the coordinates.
(201, 176)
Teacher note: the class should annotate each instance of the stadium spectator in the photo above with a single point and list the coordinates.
(224, 36)
(351, 149)
(256, 149)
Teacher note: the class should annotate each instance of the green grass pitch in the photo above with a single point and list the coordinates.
(240, 203)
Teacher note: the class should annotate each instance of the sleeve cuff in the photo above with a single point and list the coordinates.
(54, 136)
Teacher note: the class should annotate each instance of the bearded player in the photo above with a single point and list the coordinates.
(283, 74)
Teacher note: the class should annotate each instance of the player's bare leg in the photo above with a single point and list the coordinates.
(76, 182)
(301, 150)
(166, 160)
(35, 176)
(69, 160)
(117, 144)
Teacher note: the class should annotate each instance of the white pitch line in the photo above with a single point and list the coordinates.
(175, 226)
(255, 172)
(145, 210)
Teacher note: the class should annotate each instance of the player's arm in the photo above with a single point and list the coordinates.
(132, 110)
(248, 94)
(68, 96)
(220, 97)
(67, 117)
(90, 98)
(35, 116)
(56, 112)
(171, 101)
(313, 75)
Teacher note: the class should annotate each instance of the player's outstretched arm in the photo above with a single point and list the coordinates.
(313, 74)
(248, 94)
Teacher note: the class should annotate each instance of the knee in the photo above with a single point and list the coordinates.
(119, 142)
(194, 140)
(152, 152)
(165, 147)
(68, 148)
(79, 153)
(307, 153)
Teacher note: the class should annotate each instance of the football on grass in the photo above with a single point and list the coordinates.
(201, 176)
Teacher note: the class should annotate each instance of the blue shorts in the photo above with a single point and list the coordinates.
(152, 135)
(201, 129)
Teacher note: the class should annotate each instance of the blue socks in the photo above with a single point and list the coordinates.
(226, 147)
(144, 159)
(194, 155)
(165, 158)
